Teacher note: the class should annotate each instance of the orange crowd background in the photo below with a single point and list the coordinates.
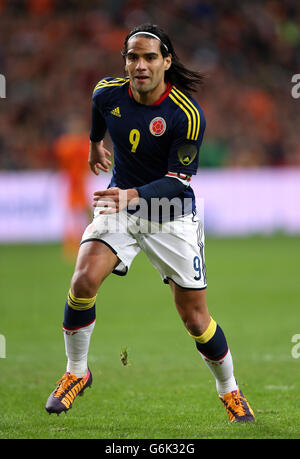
(52, 54)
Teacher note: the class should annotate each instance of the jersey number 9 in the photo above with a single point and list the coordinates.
(134, 138)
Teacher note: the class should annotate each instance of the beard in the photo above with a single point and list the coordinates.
(143, 88)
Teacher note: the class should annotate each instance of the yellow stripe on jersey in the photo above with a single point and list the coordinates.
(187, 114)
(114, 82)
(190, 110)
(194, 108)
(188, 107)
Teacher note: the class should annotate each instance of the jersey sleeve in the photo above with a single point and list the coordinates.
(98, 124)
(188, 130)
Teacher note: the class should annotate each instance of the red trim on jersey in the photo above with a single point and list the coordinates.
(159, 101)
(182, 176)
(165, 94)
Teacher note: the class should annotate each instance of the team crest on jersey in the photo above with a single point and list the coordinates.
(158, 126)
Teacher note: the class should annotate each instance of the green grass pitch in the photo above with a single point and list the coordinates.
(166, 392)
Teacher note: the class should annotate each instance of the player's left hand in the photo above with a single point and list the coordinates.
(114, 199)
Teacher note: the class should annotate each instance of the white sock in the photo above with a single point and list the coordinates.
(223, 372)
(77, 345)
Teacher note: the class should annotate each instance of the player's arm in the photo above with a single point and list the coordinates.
(169, 186)
(114, 199)
(189, 126)
(98, 155)
(166, 187)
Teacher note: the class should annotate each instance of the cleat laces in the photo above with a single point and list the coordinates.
(236, 404)
(64, 384)
(237, 407)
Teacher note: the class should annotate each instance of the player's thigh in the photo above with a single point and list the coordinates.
(95, 261)
(176, 250)
(192, 308)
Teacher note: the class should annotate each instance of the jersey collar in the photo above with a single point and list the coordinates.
(162, 97)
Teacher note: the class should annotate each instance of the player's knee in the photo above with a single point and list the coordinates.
(195, 328)
(195, 319)
(84, 284)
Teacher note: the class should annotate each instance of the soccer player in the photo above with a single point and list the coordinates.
(157, 129)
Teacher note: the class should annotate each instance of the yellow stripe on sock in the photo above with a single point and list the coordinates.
(208, 334)
(80, 304)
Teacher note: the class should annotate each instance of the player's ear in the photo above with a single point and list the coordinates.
(168, 62)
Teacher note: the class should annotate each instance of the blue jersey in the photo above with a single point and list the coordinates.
(149, 141)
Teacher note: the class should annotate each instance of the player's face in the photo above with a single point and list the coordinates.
(145, 65)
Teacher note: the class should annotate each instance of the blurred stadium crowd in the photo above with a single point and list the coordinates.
(52, 53)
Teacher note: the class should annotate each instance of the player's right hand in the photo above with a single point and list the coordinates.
(98, 157)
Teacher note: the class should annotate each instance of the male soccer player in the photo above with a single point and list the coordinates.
(157, 129)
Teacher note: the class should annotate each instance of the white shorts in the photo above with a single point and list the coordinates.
(175, 249)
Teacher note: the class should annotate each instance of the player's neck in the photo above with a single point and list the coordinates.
(150, 97)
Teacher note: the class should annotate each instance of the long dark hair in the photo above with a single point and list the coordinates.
(183, 78)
